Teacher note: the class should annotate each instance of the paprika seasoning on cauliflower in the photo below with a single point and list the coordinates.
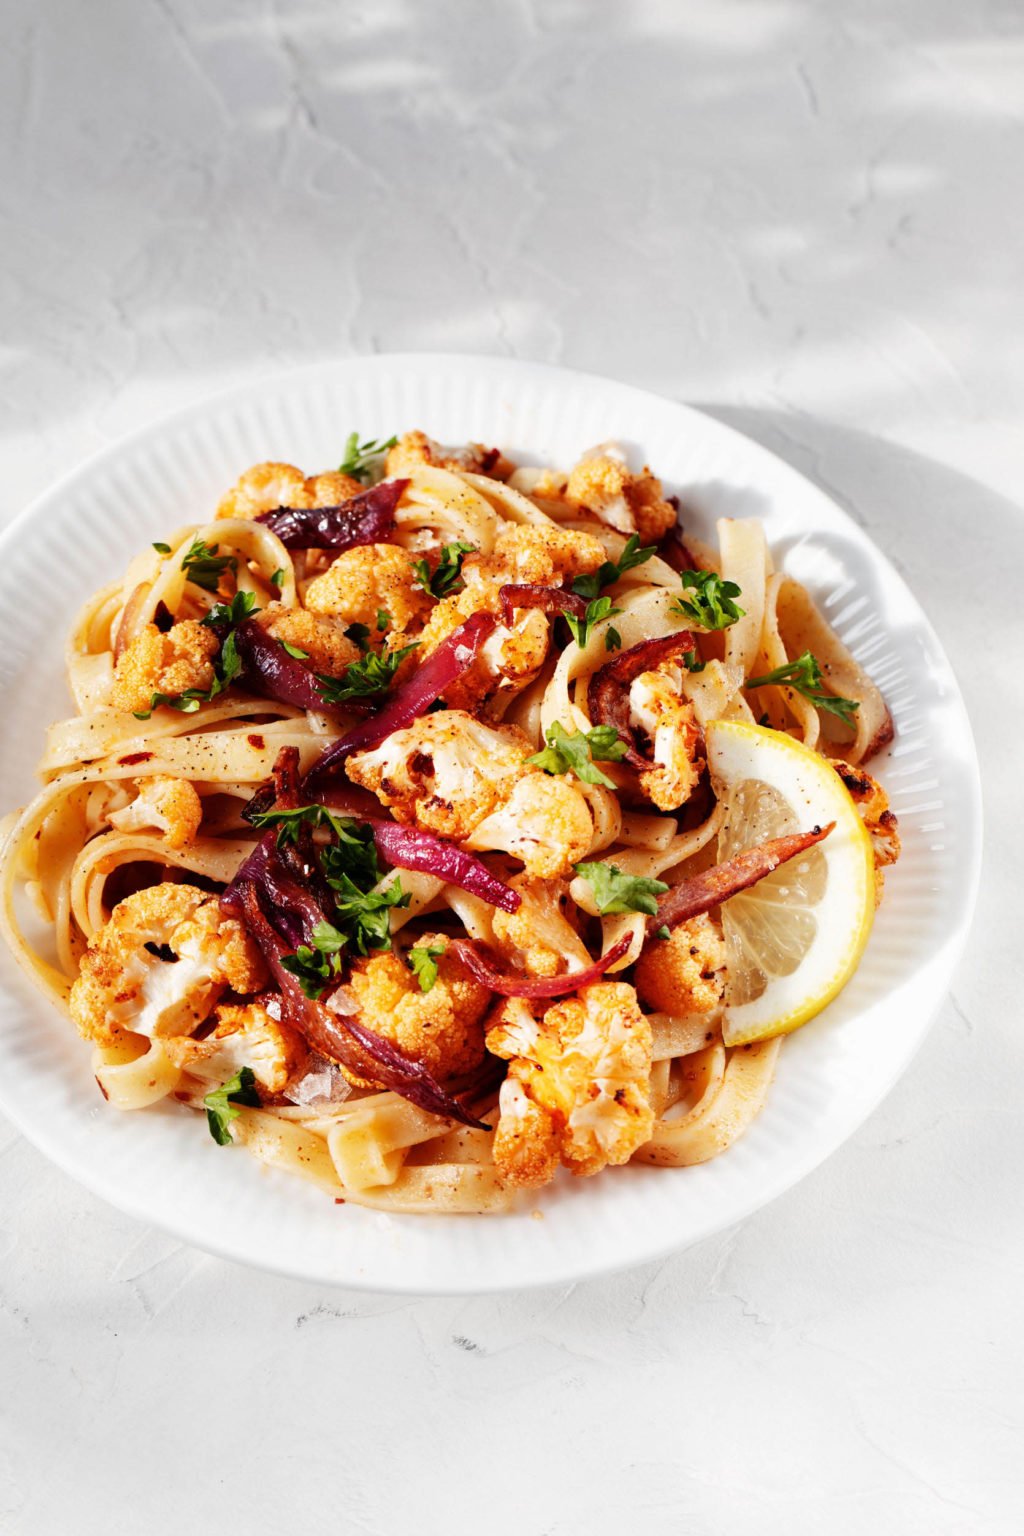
(171, 806)
(602, 484)
(246, 1035)
(159, 965)
(684, 973)
(578, 1085)
(369, 580)
(266, 487)
(168, 663)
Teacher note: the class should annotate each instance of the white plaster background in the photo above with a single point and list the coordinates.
(805, 216)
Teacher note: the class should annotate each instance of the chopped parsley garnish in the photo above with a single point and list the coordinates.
(611, 570)
(423, 964)
(599, 608)
(712, 604)
(361, 458)
(241, 607)
(577, 751)
(612, 639)
(615, 891)
(293, 650)
(226, 668)
(220, 1103)
(365, 913)
(804, 675)
(448, 572)
(315, 966)
(365, 679)
(204, 567)
(277, 580)
(383, 620)
(692, 662)
(663, 932)
(162, 549)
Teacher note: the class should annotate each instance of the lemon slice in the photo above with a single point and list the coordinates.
(793, 940)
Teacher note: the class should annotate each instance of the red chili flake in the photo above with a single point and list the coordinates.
(102, 1090)
(134, 757)
(256, 741)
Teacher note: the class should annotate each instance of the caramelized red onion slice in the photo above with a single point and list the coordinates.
(343, 1039)
(608, 689)
(366, 519)
(409, 848)
(269, 670)
(550, 599)
(477, 963)
(676, 553)
(713, 886)
(452, 657)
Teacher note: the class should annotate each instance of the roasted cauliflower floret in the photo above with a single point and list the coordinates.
(170, 805)
(509, 658)
(369, 579)
(159, 965)
(323, 639)
(445, 773)
(539, 939)
(441, 1028)
(545, 822)
(247, 1035)
(872, 804)
(416, 448)
(578, 1084)
(170, 663)
(684, 973)
(540, 556)
(603, 485)
(266, 487)
(657, 707)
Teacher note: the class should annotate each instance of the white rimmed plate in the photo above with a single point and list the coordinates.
(160, 1165)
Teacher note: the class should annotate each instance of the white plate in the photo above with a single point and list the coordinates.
(160, 1165)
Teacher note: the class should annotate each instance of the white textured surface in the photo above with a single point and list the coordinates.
(806, 216)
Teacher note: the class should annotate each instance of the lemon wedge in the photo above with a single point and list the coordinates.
(794, 939)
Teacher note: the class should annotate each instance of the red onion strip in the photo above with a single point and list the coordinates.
(713, 886)
(365, 519)
(477, 963)
(409, 848)
(270, 671)
(452, 657)
(551, 599)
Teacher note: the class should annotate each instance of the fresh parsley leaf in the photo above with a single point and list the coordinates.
(712, 605)
(423, 964)
(359, 634)
(597, 609)
(360, 458)
(612, 639)
(367, 678)
(277, 580)
(204, 566)
(226, 668)
(663, 932)
(692, 662)
(293, 650)
(383, 619)
(448, 572)
(804, 674)
(618, 892)
(315, 967)
(241, 607)
(162, 549)
(611, 570)
(220, 1103)
(577, 751)
(366, 913)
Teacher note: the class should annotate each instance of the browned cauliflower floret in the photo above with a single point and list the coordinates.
(540, 555)
(247, 1035)
(156, 663)
(446, 772)
(578, 1084)
(657, 707)
(545, 822)
(604, 486)
(266, 487)
(872, 804)
(539, 939)
(684, 973)
(170, 805)
(324, 640)
(441, 1028)
(507, 661)
(416, 448)
(369, 579)
(159, 965)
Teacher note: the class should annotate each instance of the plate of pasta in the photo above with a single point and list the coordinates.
(468, 794)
